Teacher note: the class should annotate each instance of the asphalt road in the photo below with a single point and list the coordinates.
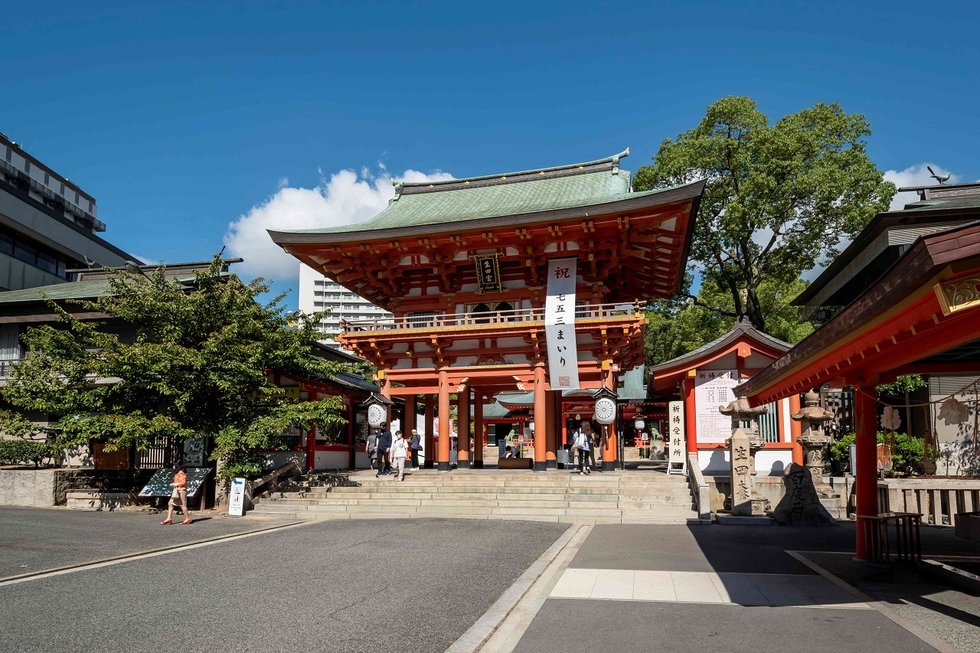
(34, 539)
(394, 585)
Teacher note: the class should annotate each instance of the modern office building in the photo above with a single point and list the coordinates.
(48, 225)
(319, 293)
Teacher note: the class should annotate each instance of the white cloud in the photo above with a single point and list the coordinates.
(345, 198)
(914, 175)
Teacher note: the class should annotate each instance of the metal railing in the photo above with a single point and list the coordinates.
(482, 318)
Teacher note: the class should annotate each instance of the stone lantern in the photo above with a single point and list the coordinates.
(743, 444)
(814, 439)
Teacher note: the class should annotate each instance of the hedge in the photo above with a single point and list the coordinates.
(24, 452)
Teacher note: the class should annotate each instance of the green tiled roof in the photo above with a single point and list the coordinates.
(515, 193)
(84, 289)
(88, 289)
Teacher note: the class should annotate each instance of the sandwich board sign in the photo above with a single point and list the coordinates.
(236, 501)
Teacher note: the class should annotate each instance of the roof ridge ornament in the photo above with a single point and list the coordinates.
(399, 186)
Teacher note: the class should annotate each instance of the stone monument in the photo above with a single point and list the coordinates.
(743, 444)
(814, 440)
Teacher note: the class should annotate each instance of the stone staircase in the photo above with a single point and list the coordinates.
(610, 498)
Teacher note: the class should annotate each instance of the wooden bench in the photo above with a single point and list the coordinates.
(515, 463)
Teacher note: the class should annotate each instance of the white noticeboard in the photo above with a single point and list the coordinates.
(674, 438)
(559, 324)
(236, 501)
(713, 390)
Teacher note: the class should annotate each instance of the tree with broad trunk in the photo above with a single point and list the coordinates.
(780, 199)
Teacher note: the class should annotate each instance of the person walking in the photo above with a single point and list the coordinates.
(178, 498)
(583, 443)
(384, 451)
(399, 449)
(591, 440)
(416, 446)
(372, 448)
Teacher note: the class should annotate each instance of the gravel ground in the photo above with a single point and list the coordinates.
(380, 585)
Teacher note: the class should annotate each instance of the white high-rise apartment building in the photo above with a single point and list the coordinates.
(318, 293)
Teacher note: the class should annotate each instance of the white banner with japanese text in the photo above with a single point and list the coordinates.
(559, 324)
(675, 438)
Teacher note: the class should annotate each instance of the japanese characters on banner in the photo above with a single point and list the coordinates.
(713, 390)
(559, 324)
(675, 435)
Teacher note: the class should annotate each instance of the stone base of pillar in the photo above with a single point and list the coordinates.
(443, 467)
(609, 465)
(540, 466)
(463, 464)
(428, 464)
(477, 464)
(552, 464)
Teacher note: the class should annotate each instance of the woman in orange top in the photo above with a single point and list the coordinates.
(178, 498)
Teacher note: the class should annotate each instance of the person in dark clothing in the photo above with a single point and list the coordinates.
(384, 451)
(415, 445)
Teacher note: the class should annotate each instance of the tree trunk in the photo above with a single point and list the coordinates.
(753, 310)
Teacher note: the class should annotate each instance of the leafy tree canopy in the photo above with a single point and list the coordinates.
(167, 360)
(780, 197)
(679, 326)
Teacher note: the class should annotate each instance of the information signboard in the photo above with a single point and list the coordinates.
(713, 390)
(236, 500)
(160, 484)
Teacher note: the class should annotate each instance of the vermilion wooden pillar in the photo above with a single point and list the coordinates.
(610, 450)
(690, 413)
(311, 441)
(445, 421)
(351, 436)
(866, 466)
(554, 424)
(478, 429)
(463, 424)
(795, 428)
(540, 421)
(410, 417)
(430, 452)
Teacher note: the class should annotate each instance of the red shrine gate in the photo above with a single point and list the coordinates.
(463, 265)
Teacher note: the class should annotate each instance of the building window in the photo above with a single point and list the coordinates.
(769, 424)
(6, 244)
(25, 252)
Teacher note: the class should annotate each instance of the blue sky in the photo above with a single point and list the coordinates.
(183, 118)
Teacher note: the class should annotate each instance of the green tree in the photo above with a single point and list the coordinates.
(780, 197)
(173, 359)
(675, 327)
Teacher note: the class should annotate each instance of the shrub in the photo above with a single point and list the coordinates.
(23, 452)
(907, 451)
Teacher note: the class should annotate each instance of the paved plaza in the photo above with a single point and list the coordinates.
(254, 584)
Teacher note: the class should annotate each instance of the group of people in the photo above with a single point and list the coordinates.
(388, 452)
(584, 443)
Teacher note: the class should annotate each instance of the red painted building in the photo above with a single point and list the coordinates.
(704, 380)
(464, 267)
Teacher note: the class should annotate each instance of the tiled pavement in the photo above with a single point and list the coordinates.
(704, 587)
(641, 588)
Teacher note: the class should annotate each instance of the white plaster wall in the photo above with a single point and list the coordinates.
(331, 460)
(767, 463)
(773, 463)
